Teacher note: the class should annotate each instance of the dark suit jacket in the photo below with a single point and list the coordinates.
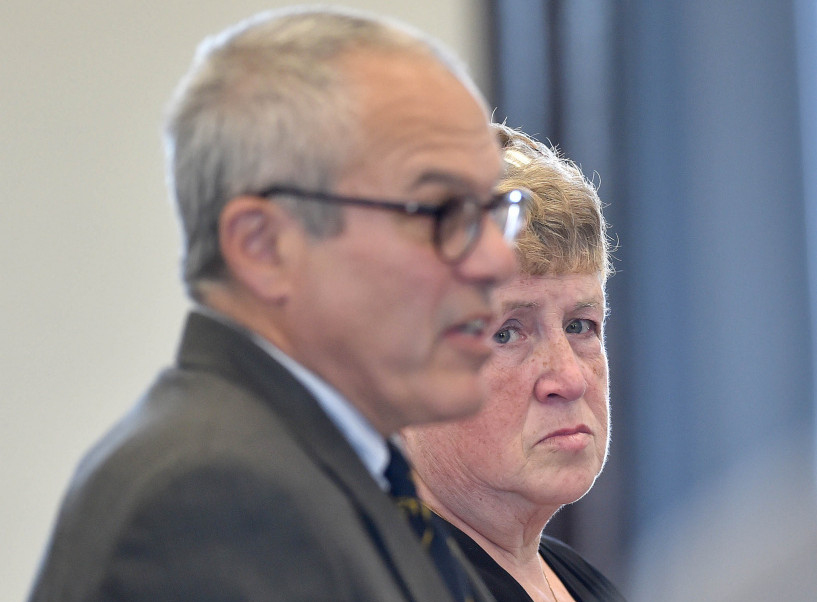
(228, 482)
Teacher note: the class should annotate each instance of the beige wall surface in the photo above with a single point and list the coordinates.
(90, 305)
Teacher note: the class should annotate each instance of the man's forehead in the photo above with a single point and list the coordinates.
(419, 124)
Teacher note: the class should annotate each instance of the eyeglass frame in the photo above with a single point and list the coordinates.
(518, 197)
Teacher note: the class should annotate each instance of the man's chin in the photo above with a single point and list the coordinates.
(457, 407)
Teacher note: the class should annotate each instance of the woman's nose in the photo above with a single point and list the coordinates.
(561, 377)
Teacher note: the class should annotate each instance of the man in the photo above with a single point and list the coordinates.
(334, 176)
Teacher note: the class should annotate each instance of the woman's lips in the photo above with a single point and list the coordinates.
(569, 439)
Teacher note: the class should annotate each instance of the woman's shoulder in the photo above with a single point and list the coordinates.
(584, 581)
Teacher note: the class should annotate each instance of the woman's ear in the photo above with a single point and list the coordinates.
(255, 236)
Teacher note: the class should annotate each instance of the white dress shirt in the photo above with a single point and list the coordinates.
(358, 431)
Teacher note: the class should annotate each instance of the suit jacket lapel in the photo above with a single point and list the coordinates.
(216, 347)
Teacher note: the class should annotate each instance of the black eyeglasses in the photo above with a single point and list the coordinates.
(457, 221)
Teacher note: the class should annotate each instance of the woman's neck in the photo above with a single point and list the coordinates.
(507, 529)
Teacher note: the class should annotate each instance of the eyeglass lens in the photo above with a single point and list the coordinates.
(459, 228)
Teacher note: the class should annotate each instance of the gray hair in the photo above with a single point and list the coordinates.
(265, 103)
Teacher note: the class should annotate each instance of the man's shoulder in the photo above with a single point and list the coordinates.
(188, 419)
(205, 497)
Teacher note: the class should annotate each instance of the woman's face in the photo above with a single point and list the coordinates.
(542, 434)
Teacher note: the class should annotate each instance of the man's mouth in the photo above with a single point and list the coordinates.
(475, 327)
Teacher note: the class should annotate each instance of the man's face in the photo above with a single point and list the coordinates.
(384, 320)
(541, 438)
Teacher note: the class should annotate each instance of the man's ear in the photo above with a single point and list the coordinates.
(256, 239)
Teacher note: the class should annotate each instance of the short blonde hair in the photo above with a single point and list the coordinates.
(566, 230)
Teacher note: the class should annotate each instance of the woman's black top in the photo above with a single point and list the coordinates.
(584, 582)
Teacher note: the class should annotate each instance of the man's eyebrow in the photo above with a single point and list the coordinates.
(441, 178)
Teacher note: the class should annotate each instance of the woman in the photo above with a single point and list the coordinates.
(541, 439)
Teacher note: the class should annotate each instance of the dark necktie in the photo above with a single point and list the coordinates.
(429, 527)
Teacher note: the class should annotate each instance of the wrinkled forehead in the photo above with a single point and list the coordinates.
(583, 287)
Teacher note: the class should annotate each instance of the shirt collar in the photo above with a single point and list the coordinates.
(368, 444)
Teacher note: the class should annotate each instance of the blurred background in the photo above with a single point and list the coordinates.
(699, 120)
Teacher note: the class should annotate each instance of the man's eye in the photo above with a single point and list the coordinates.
(580, 326)
(454, 207)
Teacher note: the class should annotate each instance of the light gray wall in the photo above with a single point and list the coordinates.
(90, 304)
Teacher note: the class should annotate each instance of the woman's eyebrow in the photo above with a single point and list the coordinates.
(591, 304)
(513, 305)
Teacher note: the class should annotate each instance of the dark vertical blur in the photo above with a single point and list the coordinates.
(699, 119)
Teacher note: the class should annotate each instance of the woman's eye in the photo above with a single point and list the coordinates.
(580, 326)
(505, 335)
